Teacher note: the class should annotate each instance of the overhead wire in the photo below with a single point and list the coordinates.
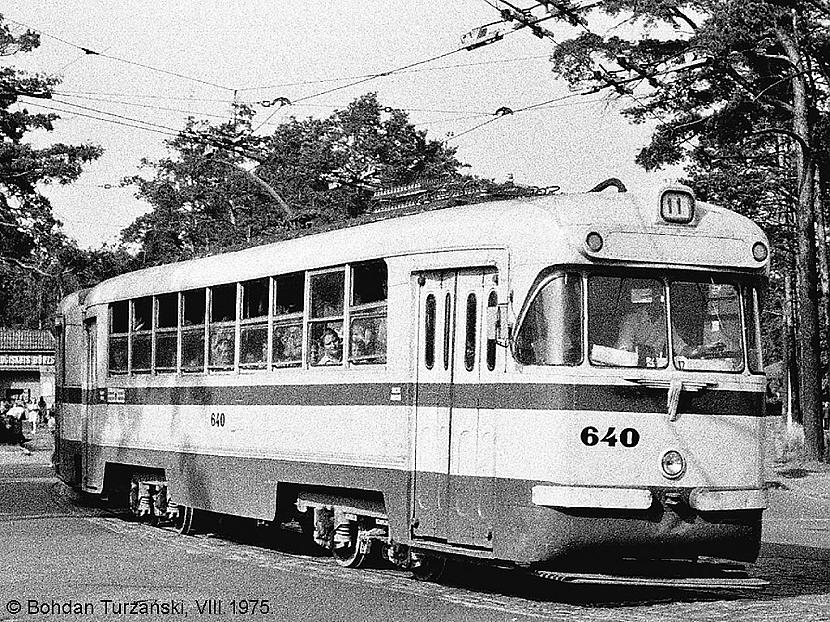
(420, 70)
(363, 80)
(170, 131)
(547, 104)
(207, 114)
(91, 52)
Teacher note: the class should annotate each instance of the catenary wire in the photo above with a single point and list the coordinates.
(91, 52)
(361, 81)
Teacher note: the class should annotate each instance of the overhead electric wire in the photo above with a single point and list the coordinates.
(225, 116)
(149, 106)
(92, 52)
(361, 81)
(422, 69)
(538, 106)
(117, 116)
(89, 116)
(144, 96)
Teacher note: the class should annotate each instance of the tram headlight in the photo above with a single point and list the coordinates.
(594, 242)
(759, 251)
(674, 465)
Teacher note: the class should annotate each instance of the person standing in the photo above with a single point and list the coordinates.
(33, 414)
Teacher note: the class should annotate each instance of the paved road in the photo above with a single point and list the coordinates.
(58, 553)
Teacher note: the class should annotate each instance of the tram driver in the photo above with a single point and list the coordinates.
(643, 330)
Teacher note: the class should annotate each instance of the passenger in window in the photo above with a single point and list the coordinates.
(331, 350)
(221, 351)
(359, 348)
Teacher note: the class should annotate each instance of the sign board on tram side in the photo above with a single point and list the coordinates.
(111, 395)
(26, 360)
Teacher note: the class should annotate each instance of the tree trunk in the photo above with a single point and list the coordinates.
(789, 347)
(807, 276)
(824, 272)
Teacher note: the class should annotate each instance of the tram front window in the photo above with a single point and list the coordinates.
(707, 316)
(627, 324)
(551, 332)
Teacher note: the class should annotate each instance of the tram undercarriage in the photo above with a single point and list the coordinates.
(354, 528)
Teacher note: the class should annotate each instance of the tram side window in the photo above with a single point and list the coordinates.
(253, 346)
(447, 329)
(167, 322)
(289, 297)
(141, 334)
(753, 330)
(325, 330)
(222, 327)
(551, 332)
(367, 312)
(470, 338)
(492, 322)
(193, 330)
(429, 331)
(119, 328)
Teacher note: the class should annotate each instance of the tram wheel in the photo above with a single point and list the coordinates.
(349, 555)
(184, 523)
(428, 567)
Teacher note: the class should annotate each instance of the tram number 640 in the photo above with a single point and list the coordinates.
(217, 420)
(628, 437)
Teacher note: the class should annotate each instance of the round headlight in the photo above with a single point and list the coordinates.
(673, 464)
(594, 242)
(759, 251)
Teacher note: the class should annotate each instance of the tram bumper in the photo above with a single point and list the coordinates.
(568, 524)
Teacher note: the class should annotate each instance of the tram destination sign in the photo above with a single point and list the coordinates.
(26, 360)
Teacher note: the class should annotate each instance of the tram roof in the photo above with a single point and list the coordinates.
(548, 228)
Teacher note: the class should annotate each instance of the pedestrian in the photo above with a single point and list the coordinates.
(17, 414)
(41, 407)
(51, 424)
(33, 414)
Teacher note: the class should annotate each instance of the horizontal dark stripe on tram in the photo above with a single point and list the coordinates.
(603, 398)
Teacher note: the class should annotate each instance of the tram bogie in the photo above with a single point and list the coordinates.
(534, 383)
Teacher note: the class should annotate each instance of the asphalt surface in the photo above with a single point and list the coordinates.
(62, 554)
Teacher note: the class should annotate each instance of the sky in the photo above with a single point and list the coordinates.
(159, 62)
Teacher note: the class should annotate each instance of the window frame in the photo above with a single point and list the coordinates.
(157, 330)
(254, 323)
(325, 320)
(292, 319)
(376, 309)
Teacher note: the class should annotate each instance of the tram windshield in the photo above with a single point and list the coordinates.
(628, 323)
(688, 323)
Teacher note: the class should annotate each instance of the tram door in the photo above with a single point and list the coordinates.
(454, 439)
(88, 393)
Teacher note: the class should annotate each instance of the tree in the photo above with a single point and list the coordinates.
(717, 76)
(30, 237)
(223, 186)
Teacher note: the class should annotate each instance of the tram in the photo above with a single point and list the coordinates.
(559, 383)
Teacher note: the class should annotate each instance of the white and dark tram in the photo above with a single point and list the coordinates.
(467, 382)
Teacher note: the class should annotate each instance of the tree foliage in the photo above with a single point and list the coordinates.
(31, 242)
(224, 186)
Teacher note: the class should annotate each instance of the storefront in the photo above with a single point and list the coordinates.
(27, 365)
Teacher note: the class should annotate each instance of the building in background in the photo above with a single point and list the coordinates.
(27, 365)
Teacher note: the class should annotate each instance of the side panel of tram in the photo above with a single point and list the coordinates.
(229, 442)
